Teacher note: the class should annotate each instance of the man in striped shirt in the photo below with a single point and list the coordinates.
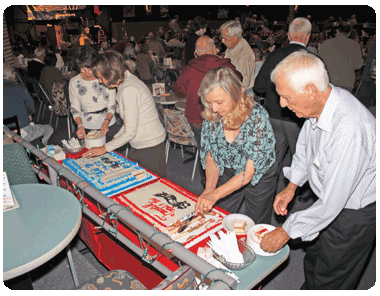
(336, 154)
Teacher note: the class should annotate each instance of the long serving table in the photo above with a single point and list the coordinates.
(252, 275)
(123, 250)
(115, 257)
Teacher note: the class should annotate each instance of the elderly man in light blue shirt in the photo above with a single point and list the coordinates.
(336, 154)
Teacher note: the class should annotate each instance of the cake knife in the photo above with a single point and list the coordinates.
(187, 217)
(183, 219)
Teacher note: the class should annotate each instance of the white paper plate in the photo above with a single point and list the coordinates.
(228, 221)
(255, 246)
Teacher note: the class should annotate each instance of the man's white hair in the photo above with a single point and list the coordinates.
(8, 72)
(233, 28)
(39, 51)
(299, 25)
(302, 68)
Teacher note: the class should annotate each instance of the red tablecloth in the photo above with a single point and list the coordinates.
(115, 255)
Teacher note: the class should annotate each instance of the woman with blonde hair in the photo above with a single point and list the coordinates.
(237, 149)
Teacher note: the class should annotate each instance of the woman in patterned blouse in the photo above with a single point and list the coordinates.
(237, 149)
(92, 105)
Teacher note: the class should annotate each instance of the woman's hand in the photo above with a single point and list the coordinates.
(205, 202)
(104, 128)
(95, 152)
(81, 132)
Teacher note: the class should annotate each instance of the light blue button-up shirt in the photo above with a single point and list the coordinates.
(337, 155)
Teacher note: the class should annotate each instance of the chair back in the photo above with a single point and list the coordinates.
(171, 77)
(59, 99)
(16, 164)
(181, 279)
(14, 124)
(19, 78)
(178, 128)
(42, 94)
(29, 83)
(173, 74)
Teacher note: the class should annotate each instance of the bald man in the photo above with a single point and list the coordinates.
(191, 77)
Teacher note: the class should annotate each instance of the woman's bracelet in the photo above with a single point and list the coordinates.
(107, 119)
(79, 125)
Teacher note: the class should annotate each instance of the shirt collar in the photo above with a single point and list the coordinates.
(37, 60)
(297, 42)
(326, 118)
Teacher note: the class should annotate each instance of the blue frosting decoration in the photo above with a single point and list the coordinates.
(98, 171)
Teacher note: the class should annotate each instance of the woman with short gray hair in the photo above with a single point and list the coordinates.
(237, 149)
(92, 105)
(141, 127)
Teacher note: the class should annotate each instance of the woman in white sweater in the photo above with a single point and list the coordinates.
(141, 128)
(91, 104)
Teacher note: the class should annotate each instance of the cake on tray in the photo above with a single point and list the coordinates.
(163, 203)
(110, 173)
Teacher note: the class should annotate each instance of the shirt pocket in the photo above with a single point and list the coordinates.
(317, 167)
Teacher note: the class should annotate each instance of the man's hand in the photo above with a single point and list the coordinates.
(274, 240)
(282, 200)
(95, 152)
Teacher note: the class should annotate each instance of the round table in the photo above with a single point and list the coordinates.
(180, 105)
(169, 99)
(45, 223)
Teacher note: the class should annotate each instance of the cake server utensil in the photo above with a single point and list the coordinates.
(187, 217)
(185, 223)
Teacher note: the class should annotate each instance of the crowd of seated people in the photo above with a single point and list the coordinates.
(144, 56)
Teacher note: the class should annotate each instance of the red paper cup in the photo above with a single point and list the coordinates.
(242, 238)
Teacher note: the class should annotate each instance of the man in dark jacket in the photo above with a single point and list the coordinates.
(36, 65)
(286, 125)
(191, 77)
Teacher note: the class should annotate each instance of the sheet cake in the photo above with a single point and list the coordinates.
(110, 173)
(162, 203)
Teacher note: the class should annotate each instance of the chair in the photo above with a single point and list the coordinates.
(61, 105)
(181, 279)
(19, 78)
(29, 84)
(171, 77)
(17, 165)
(44, 99)
(13, 121)
(179, 132)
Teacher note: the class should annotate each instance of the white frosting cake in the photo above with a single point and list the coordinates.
(163, 203)
(94, 139)
(110, 173)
